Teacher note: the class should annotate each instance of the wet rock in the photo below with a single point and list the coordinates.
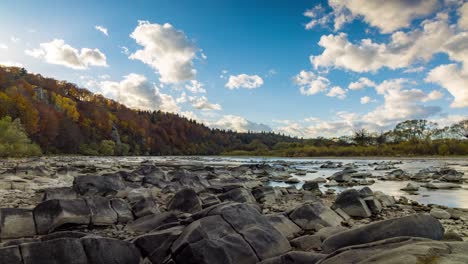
(306, 242)
(52, 214)
(419, 225)
(10, 255)
(314, 216)
(240, 195)
(16, 223)
(441, 185)
(57, 251)
(440, 213)
(145, 206)
(351, 203)
(106, 250)
(411, 187)
(284, 225)
(312, 187)
(185, 200)
(319, 180)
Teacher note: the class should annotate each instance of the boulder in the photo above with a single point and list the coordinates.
(101, 250)
(366, 192)
(314, 216)
(373, 204)
(52, 214)
(10, 255)
(440, 213)
(62, 193)
(185, 200)
(101, 211)
(145, 206)
(284, 225)
(123, 210)
(56, 251)
(307, 242)
(152, 222)
(295, 257)
(16, 223)
(156, 245)
(411, 187)
(329, 231)
(418, 225)
(384, 199)
(350, 202)
(312, 187)
(441, 185)
(240, 195)
(264, 194)
(98, 185)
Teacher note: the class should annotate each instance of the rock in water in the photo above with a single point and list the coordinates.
(419, 225)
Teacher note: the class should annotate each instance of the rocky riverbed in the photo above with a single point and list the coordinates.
(87, 210)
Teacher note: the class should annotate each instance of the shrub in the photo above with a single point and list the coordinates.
(14, 141)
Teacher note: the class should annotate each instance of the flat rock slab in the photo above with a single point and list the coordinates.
(16, 223)
(314, 216)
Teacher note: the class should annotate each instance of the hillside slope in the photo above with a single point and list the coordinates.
(63, 118)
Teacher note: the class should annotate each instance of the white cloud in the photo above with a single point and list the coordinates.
(14, 39)
(454, 79)
(239, 124)
(102, 29)
(337, 92)
(244, 81)
(416, 69)
(365, 100)
(195, 86)
(125, 50)
(135, 91)
(362, 83)
(310, 84)
(202, 103)
(463, 20)
(60, 53)
(3, 46)
(386, 15)
(432, 96)
(404, 48)
(317, 16)
(165, 49)
(11, 64)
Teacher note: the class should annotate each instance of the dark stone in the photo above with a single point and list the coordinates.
(62, 193)
(57, 251)
(63, 234)
(101, 211)
(350, 202)
(123, 210)
(239, 195)
(145, 206)
(313, 187)
(151, 222)
(283, 224)
(10, 255)
(156, 245)
(373, 204)
(52, 214)
(185, 200)
(16, 222)
(419, 225)
(366, 192)
(314, 216)
(295, 257)
(98, 185)
(106, 250)
(307, 242)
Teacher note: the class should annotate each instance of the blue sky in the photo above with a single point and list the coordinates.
(287, 66)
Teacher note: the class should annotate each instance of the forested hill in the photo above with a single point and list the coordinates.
(62, 118)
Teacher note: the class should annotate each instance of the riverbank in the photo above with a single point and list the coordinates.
(225, 210)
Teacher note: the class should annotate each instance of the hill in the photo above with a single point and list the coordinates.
(65, 119)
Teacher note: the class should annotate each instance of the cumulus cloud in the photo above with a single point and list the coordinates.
(337, 92)
(463, 20)
(387, 16)
(244, 81)
(60, 53)
(167, 50)
(362, 83)
(135, 91)
(239, 124)
(11, 64)
(454, 79)
(309, 83)
(365, 100)
(102, 29)
(202, 103)
(195, 86)
(404, 48)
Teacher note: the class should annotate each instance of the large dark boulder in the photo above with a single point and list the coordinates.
(57, 251)
(123, 210)
(16, 223)
(185, 200)
(240, 195)
(61, 193)
(314, 216)
(295, 257)
(10, 255)
(351, 202)
(312, 187)
(156, 245)
(101, 211)
(265, 193)
(152, 222)
(52, 214)
(106, 250)
(145, 206)
(419, 225)
(283, 224)
(98, 185)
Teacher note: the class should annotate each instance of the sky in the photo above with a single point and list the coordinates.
(303, 68)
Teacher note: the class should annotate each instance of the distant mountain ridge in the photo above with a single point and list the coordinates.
(65, 119)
